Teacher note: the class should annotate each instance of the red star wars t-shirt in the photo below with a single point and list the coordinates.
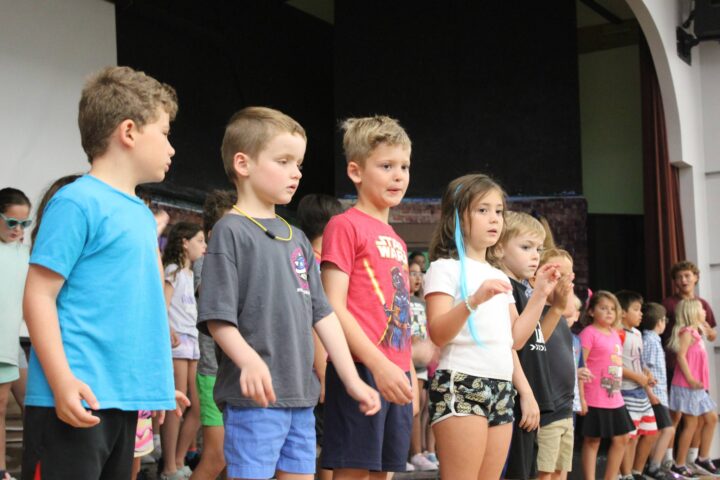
(375, 259)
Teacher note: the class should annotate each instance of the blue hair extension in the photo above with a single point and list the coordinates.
(460, 246)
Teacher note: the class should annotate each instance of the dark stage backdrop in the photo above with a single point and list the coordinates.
(480, 86)
(224, 55)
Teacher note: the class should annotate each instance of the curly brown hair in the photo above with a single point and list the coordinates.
(217, 203)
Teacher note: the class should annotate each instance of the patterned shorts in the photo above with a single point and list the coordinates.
(458, 394)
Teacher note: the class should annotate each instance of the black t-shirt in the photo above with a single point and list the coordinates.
(562, 364)
(533, 356)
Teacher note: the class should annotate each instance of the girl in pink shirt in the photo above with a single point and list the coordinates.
(606, 414)
(688, 392)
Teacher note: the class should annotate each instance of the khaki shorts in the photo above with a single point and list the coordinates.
(555, 446)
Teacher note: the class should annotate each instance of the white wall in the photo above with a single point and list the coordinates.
(691, 98)
(47, 49)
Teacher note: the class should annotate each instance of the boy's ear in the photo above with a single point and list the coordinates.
(354, 171)
(126, 132)
(241, 164)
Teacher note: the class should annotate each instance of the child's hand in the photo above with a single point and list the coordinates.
(583, 408)
(654, 400)
(563, 290)
(392, 383)
(256, 382)
(68, 397)
(367, 396)
(642, 380)
(488, 290)
(585, 375)
(695, 384)
(174, 339)
(181, 403)
(546, 279)
(530, 413)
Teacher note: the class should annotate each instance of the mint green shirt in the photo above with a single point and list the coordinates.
(14, 266)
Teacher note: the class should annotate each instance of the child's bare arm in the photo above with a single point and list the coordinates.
(523, 325)
(636, 377)
(390, 379)
(40, 311)
(320, 364)
(255, 379)
(332, 337)
(169, 290)
(528, 405)
(445, 320)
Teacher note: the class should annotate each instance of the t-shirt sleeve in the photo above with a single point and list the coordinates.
(62, 236)
(587, 339)
(339, 244)
(709, 315)
(442, 277)
(171, 275)
(321, 307)
(220, 294)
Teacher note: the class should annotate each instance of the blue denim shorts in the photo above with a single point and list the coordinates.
(259, 441)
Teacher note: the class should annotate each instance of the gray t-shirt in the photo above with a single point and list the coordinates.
(207, 365)
(265, 288)
(562, 365)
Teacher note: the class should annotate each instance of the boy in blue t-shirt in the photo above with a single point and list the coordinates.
(93, 302)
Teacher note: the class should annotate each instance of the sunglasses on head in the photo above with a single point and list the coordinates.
(14, 222)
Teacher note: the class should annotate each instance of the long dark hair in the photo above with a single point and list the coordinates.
(49, 193)
(459, 195)
(174, 251)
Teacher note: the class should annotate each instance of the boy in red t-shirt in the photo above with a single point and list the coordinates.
(365, 275)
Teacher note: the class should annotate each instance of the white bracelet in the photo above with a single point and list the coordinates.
(467, 305)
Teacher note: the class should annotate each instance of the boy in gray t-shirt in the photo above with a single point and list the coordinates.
(260, 302)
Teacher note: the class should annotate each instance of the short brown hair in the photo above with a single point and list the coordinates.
(249, 131)
(217, 203)
(116, 94)
(363, 135)
(682, 266)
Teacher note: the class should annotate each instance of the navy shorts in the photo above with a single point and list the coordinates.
(378, 443)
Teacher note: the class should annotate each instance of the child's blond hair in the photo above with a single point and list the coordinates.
(554, 253)
(515, 224)
(687, 314)
(249, 131)
(116, 94)
(363, 135)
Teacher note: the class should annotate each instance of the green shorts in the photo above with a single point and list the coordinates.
(8, 373)
(210, 416)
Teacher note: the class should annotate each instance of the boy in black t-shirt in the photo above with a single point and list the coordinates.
(518, 252)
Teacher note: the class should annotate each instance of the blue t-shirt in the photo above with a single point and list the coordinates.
(111, 308)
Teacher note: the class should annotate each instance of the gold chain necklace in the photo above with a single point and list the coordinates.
(267, 232)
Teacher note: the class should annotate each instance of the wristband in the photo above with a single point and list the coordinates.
(467, 305)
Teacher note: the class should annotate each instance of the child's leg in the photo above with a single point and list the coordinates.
(212, 460)
(135, 468)
(642, 452)
(589, 456)
(461, 445)
(416, 439)
(18, 388)
(4, 396)
(170, 429)
(686, 436)
(498, 443)
(615, 456)
(710, 421)
(661, 445)
(191, 422)
(697, 438)
(629, 456)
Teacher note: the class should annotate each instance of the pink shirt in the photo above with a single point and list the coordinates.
(375, 259)
(604, 360)
(697, 360)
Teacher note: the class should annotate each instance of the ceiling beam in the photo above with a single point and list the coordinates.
(602, 11)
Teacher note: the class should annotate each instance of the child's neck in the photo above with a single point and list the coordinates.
(626, 326)
(379, 213)
(253, 206)
(476, 253)
(687, 295)
(115, 173)
(602, 328)
(317, 244)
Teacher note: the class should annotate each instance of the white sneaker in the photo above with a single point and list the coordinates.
(421, 463)
(409, 467)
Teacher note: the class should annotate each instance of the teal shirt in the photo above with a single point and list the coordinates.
(111, 308)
